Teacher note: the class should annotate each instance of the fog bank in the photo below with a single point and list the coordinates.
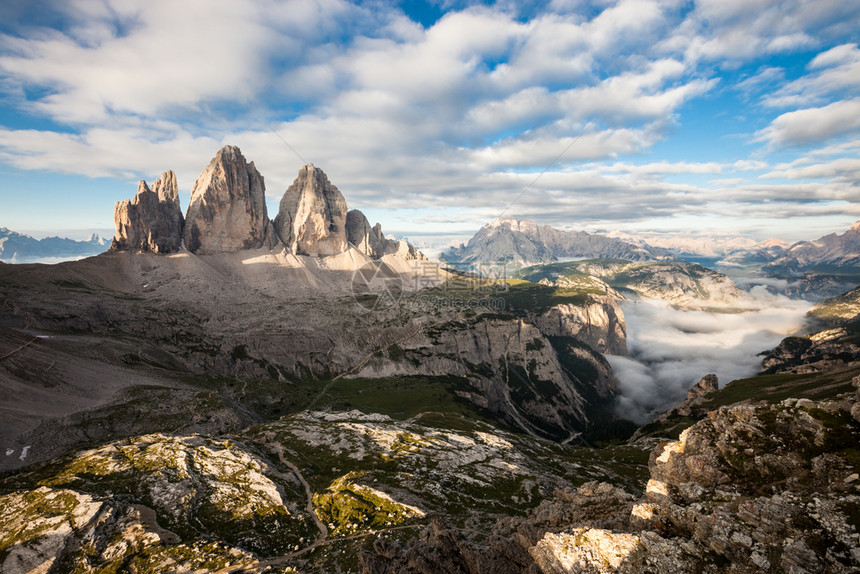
(670, 350)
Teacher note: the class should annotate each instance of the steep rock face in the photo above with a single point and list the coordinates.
(228, 206)
(152, 220)
(369, 240)
(536, 383)
(312, 215)
(599, 324)
(683, 285)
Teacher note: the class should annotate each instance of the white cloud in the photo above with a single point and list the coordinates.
(124, 153)
(813, 124)
(665, 168)
(848, 168)
(836, 72)
(403, 116)
(749, 165)
(173, 55)
(738, 30)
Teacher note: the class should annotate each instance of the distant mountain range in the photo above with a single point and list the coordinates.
(824, 253)
(20, 248)
(703, 246)
(776, 257)
(823, 267)
(522, 243)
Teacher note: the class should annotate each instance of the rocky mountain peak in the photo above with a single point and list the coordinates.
(152, 220)
(362, 236)
(166, 188)
(370, 240)
(311, 219)
(228, 206)
(522, 242)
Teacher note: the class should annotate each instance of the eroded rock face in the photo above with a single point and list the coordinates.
(152, 220)
(228, 206)
(362, 236)
(312, 215)
(598, 323)
(695, 397)
(536, 383)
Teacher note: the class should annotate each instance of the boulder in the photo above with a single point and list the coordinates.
(228, 206)
(312, 216)
(152, 220)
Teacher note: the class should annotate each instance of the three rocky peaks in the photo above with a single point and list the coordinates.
(228, 213)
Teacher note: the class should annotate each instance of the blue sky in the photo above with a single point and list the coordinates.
(671, 117)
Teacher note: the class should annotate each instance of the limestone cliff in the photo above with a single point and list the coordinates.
(228, 206)
(312, 215)
(152, 220)
(599, 323)
(541, 385)
(368, 240)
(683, 285)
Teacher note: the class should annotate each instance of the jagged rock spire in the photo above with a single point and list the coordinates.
(152, 220)
(312, 215)
(366, 239)
(228, 206)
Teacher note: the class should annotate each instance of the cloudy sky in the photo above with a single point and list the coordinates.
(728, 116)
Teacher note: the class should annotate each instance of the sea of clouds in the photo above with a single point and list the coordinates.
(670, 350)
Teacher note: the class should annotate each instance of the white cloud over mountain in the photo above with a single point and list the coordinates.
(463, 113)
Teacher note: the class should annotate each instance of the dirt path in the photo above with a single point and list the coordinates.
(310, 495)
(321, 539)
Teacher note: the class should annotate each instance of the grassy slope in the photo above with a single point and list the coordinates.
(766, 388)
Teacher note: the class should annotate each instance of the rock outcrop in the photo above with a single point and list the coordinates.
(674, 420)
(599, 323)
(535, 383)
(368, 240)
(821, 351)
(696, 395)
(194, 489)
(152, 220)
(772, 488)
(312, 215)
(228, 207)
(751, 488)
(228, 213)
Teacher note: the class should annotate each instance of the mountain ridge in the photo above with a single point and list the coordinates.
(22, 248)
(524, 243)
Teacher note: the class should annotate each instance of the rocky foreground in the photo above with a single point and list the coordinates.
(748, 489)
